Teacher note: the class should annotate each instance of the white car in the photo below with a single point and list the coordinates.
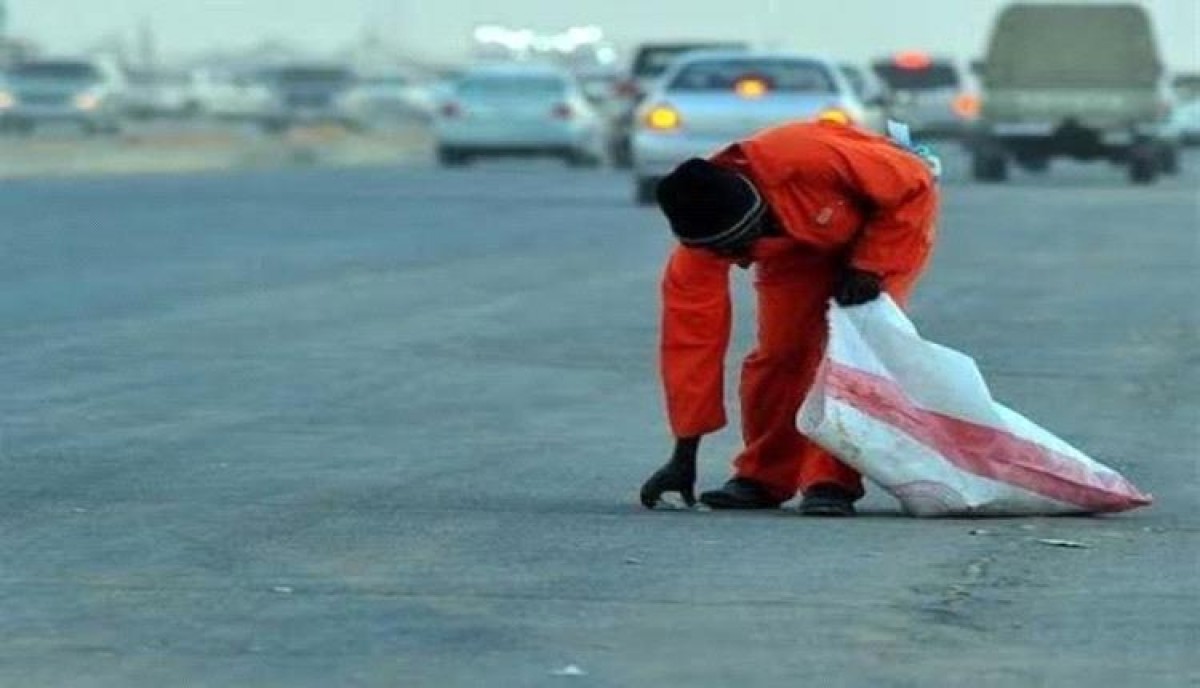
(1184, 125)
(229, 95)
(391, 96)
(707, 100)
(517, 109)
(934, 96)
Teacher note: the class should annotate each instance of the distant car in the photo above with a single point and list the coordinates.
(650, 61)
(81, 92)
(388, 96)
(153, 94)
(707, 100)
(932, 95)
(1051, 89)
(872, 93)
(229, 95)
(308, 94)
(517, 110)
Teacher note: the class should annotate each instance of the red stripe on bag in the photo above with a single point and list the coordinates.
(984, 450)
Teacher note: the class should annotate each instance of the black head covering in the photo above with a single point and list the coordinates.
(708, 205)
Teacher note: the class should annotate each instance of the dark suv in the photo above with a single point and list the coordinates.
(1073, 80)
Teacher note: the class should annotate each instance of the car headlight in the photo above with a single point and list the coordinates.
(87, 101)
(6, 100)
(836, 115)
(662, 118)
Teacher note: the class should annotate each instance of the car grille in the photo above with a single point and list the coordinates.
(46, 99)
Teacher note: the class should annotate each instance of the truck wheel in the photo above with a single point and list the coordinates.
(989, 165)
(643, 190)
(1033, 163)
(1143, 165)
(451, 157)
(1168, 159)
(581, 158)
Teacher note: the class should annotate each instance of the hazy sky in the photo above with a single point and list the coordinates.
(440, 29)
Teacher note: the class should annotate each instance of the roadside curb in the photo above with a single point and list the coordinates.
(224, 151)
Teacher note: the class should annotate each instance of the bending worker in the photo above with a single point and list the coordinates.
(821, 210)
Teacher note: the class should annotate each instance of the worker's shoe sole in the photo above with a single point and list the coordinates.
(827, 500)
(740, 493)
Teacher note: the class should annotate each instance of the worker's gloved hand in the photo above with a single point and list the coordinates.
(677, 475)
(856, 287)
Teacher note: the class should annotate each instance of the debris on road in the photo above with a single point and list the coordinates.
(569, 670)
(283, 589)
(1070, 544)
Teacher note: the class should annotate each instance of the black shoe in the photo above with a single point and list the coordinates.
(827, 500)
(740, 493)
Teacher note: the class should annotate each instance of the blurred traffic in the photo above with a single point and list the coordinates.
(1047, 85)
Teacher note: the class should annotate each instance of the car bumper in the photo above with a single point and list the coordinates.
(1032, 131)
(655, 155)
(51, 113)
(302, 115)
(534, 136)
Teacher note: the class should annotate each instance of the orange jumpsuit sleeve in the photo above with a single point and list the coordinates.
(696, 325)
(897, 238)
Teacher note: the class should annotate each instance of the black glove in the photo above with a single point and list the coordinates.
(677, 475)
(856, 287)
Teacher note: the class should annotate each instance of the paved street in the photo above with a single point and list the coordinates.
(385, 427)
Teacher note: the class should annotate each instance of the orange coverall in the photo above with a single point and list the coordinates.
(843, 197)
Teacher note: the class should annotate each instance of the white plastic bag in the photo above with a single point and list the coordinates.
(918, 419)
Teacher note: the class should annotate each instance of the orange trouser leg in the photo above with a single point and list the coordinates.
(775, 379)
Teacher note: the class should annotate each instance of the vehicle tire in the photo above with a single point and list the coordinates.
(621, 155)
(273, 126)
(18, 127)
(989, 165)
(644, 190)
(1143, 165)
(1168, 159)
(1033, 163)
(581, 159)
(452, 157)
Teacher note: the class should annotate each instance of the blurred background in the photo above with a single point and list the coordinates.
(159, 85)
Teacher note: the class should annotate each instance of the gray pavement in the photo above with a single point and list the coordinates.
(385, 427)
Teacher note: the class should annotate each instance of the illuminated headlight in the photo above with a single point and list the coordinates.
(662, 118)
(87, 101)
(6, 100)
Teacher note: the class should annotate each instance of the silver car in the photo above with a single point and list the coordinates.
(80, 92)
(517, 110)
(707, 100)
(932, 95)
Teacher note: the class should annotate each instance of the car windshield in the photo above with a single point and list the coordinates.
(67, 71)
(514, 86)
(777, 75)
(926, 78)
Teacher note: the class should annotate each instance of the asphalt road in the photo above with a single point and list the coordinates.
(385, 427)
